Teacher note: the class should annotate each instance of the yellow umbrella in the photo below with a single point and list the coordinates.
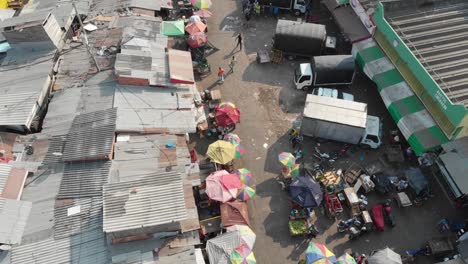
(221, 152)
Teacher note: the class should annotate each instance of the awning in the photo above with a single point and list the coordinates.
(173, 28)
(234, 213)
(414, 121)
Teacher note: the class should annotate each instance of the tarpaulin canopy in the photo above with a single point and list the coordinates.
(385, 256)
(173, 28)
(417, 180)
(234, 213)
(306, 192)
(216, 190)
(412, 118)
(195, 27)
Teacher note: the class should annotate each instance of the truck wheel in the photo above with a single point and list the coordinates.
(296, 12)
(305, 88)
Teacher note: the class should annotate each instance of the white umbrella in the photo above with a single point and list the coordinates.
(247, 235)
(385, 256)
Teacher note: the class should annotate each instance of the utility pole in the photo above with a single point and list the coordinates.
(85, 36)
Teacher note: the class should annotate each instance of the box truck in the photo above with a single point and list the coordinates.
(340, 120)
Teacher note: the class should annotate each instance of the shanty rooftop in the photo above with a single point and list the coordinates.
(437, 36)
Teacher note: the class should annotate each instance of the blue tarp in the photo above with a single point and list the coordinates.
(417, 180)
(306, 192)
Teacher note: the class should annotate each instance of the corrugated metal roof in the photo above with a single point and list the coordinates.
(144, 154)
(61, 111)
(91, 136)
(88, 218)
(41, 192)
(144, 97)
(155, 121)
(23, 91)
(153, 200)
(180, 66)
(219, 248)
(84, 248)
(336, 110)
(13, 216)
(5, 170)
(437, 37)
(56, 145)
(155, 5)
(84, 179)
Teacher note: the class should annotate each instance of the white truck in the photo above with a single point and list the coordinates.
(340, 120)
(325, 71)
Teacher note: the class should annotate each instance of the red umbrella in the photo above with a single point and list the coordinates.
(196, 40)
(195, 27)
(203, 13)
(227, 116)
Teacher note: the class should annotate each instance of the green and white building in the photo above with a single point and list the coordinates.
(418, 58)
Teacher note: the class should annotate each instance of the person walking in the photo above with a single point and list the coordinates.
(239, 41)
(232, 63)
(220, 75)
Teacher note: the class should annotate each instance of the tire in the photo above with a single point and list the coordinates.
(296, 12)
(305, 88)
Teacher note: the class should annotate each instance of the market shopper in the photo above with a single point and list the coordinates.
(220, 75)
(232, 63)
(239, 41)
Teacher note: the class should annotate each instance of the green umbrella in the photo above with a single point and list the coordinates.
(173, 28)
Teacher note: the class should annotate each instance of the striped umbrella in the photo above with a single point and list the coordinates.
(239, 151)
(319, 254)
(244, 175)
(287, 159)
(242, 255)
(233, 138)
(246, 193)
(201, 4)
(295, 170)
(346, 259)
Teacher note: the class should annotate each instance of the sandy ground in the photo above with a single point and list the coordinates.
(269, 105)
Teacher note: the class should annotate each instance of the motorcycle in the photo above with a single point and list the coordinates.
(355, 232)
(387, 210)
(343, 225)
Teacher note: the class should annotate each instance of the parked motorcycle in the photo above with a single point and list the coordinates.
(344, 225)
(355, 232)
(387, 210)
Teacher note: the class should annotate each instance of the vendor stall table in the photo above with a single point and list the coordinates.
(403, 200)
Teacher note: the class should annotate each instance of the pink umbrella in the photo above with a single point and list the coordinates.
(232, 183)
(203, 13)
(215, 188)
(195, 27)
(197, 39)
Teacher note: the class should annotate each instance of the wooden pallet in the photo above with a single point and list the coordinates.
(276, 56)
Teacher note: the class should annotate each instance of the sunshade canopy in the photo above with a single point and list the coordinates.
(219, 248)
(173, 28)
(317, 253)
(234, 213)
(196, 40)
(221, 152)
(195, 27)
(346, 259)
(227, 115)
(411, 116)
(385, 256)
(216, 190)
(203, 13)
(306, 192)
(247, 235)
